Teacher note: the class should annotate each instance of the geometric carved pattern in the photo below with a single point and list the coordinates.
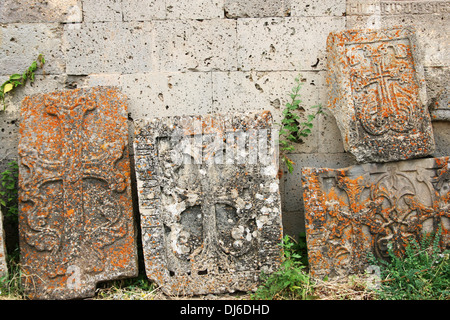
(360, 209)
(76, 218)
(210, 208)
(377, 93)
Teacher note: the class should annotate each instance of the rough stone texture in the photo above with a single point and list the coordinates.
(93, 47)
(75, 211)
(20, 45)
(101, 10)
(356, 210)
(256, 8)
(194, 9)
(167, 94)
(211, 220)
(262, 43)
(143, 10)
(438, 91)
(378, 95)
(13, 11)
(195, 45)
(3, 265)
(316, 8)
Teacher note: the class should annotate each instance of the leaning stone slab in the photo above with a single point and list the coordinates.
(209, 201)
(75, 210)
(360, 209)
(378, 95)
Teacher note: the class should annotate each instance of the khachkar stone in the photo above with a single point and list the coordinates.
(3, 265)
(209, 201)
(377, 94)
(353, 211)
(75, 210)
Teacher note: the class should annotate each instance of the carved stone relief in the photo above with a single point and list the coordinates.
(209, 201)
(378, 96)
(360, 209)
(76, 219)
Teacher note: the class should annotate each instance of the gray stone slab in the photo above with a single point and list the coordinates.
(357, 210)
(209, 201)
(76, 223)
(377, 94)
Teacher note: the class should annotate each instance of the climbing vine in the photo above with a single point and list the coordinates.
(17, 79)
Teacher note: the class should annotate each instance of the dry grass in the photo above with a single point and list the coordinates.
(351, 288)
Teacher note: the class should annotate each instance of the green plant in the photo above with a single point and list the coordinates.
(290, 281)
(11, 282)
(422, 272)
(16, 79)
(8, 190)
(293, 130)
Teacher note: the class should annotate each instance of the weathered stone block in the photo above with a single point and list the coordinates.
(102, 10)
(378, 95)
(143, 10)
(256, 8)
(360, 209)
(20, 45)
(160, 94)
(209, 201)
(317, 8)
(75, 209)
(93, 47)
(194, 9)
(32, 11)
(295, 43)
(191, 45)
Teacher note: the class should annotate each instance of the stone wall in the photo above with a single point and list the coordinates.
(173, 57)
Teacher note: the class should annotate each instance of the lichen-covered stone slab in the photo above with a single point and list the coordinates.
(75, 211)
(209, 201)
(360, 209)
(377, 94)
(3, 265)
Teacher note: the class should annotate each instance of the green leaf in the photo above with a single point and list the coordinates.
(33, 66)
(15, 76)
(8, 87)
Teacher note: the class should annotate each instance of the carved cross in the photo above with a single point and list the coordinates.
(66, 241)
(384, 65)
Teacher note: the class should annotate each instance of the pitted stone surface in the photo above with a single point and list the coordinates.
(360, 209)
(209, 201)
(378, 95)
(75, 210)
